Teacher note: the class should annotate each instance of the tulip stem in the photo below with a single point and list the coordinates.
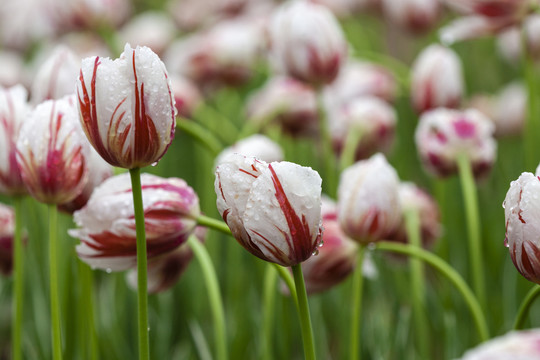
(412, 224)
(525, 307)
(447, 271)
(216, 303)
(349, 150)
(303, 312)
(18, 299)
(142, 293)
(53, 274)
(532, 127)
(327, 151)
(470, 198)
(269, 298)
(358, 285)
(87, 309)
(200, 134)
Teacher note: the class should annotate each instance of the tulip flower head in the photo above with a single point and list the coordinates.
(52, 152)
(413, 15)
(273, 210)
(516, 345)
(13, 111)
(307, 42)
(107, 222)
(258, 146)
(521, 212)
(126, 107)
(7, 228)
(437, 79)
(368, 202)
(443, 134)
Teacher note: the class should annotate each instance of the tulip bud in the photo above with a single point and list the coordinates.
(493, 9)
(368, 202)
(107, 222)
(257, 146)
(88, 14)
(7, 228)
(307, 42)
(372, 117)
(52, 152)
(510, 110)
(359, 79)
(13, 111)
(57, 76)
(412, 198)
(521, 208)
(288, 101)
(186, 96)
(126, 107)
(437, 79)
(515, 345)
(12, 68)
(414, 15)
(510, 44)
(273, 210)
(152, 29)
(98, 171)
(335, 260)
(443, 134)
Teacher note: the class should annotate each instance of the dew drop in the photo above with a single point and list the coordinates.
(315, 252)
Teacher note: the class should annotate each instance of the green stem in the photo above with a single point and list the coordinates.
(216, 303)
(450, 274)
(87, 283)
(142, 292)
(53, 274)
(288, 279)
(525, 307)
(412, 223)
(303, 312)
(269, 297)
(18, 299)
(200, 134)
(351, 143)
(532, 126)
(327, 152)
(470, 199)
(358, 282)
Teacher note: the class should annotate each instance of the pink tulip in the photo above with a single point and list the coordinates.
(273, 210)
(107, 222)
(52, 152)
(443, 134)
(307, 42)
(7, 229)
(126, 107)
(14, 110)
(368, 202)
(437, 79)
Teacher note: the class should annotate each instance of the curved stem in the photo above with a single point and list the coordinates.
(303, 312)
(351, 143)
(142, 292)
(470, 199)
(329, 159)
(412, 224)
(525, 307)
(450, 274)
(269, 298)
(53, 274)
(288, 279)
(358, 282)
(18, 299)
(214, 224)
(214, 295)
(200, 134)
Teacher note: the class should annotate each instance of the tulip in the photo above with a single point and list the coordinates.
(13, 111)
(437, 79)
(288, 101)
(126, 107)
(273, 210)
(368, 202)
(307, 42)
(517, 345)
(57, 76)
(88, 14)
(107, 224)
(492, 9)
(186, 96)
(521, 208)
(152, 28)
(412, 198)
(510, 45)
(443, 134)
(257, 146)
(372, 117)
(359, 79)
(414, 15)
(52, 152)
(12, 68)
(7, 229)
